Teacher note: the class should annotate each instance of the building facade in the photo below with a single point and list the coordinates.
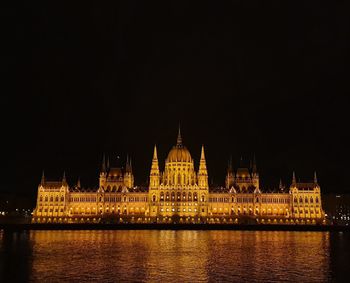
(179, 194)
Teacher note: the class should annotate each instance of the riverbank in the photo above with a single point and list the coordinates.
(153, 226)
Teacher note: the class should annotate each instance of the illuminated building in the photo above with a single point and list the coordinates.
(179, 194)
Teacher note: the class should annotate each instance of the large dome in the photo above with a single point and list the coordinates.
(179, 153)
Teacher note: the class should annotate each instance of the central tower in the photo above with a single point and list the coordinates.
(178, 193)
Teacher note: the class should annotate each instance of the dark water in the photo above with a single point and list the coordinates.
(174, 256)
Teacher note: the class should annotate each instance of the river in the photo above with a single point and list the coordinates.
(174, 256)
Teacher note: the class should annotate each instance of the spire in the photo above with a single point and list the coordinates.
(179, 139)
(127, 166)
(155, 174)
(202, 154)
(64, 177)
(108, 163)
(315, 178)
(42, 178)
(155, 157)
(294, 180)
(78, 183)
(155, 166)
(202, 172)
(103, 167)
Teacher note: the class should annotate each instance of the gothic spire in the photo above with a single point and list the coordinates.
(78, 183)
(155, 156)
(42, 178)
(179, 139)
(64, 177)
(315, 178)
(155, 166)
(294, 180)
(202, 163)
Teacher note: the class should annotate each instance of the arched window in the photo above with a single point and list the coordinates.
(184, 196)
(62, 198)
(108, 188)
(178, 196)
(189, 197)
(257, 199)
(56, 199)
(114, 188)
(153, 198)
(316, 199)
(161, 196)
(295, 200)
(41, 198)
(100, 199)
(300, 200)
(195, 196)
(202, 198)
(178, 179)
(172, 196)
(311, 200)
(306, 200)
(167, 196)
(51, 198)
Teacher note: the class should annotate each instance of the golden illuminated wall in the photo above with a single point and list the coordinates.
(306, 202)
(179, 193)
(51, 200)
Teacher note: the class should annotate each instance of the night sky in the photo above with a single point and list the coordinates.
(242, 78)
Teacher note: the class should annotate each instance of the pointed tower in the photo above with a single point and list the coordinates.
(202, 172)
(179, 138)
(229, 176)
(315, 178)
(42, 182)
(154, 175)
(255, 174)
(294, 180)
(64, 180)
(280, 186)
(78, 183)
(103, 173)
(128, 176)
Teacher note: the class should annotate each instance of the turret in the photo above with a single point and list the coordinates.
(281, 187)
(154, 174)
(64, 181)
(294, 180)
(315, 178)
(128, 176)
(103, 173)
(202, 172)
(229, 176)
(42, 182)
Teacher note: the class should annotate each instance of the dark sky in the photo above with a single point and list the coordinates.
(240, 77)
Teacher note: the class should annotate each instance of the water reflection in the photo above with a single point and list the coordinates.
(188, 256)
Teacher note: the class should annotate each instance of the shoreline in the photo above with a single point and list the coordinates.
(150, 226)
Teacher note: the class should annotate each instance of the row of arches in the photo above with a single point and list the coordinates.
(178, 196)
(51, 199)
(306, 200)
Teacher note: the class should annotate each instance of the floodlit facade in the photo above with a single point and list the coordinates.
(179, 194)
